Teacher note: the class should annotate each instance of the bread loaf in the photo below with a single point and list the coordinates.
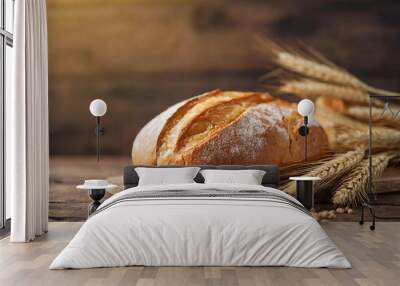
(227, 127)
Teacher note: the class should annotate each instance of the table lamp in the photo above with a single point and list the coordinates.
(306, 109)
(98, 108)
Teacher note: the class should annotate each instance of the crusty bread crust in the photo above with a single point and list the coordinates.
(211, 114)
(227, 128)
(145, 143)
(216, 118)
(264, 134)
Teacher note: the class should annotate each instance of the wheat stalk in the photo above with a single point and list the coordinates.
(311, 88)
(382, 137)
(347, 133)
(330, 118)
(301, 168)
(336, 124)
(323, 72)
(316, 67)
(354, 186)
(317, 70)
(362, 113)
(330, 170)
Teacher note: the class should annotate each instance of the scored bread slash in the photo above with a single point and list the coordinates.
(227, 127)
(201, 121)
(145, 144)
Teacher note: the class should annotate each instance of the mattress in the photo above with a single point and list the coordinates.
(201, 225)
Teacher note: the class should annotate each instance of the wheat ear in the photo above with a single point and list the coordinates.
(347, 133)
(330, 118)
(326, 73)
(317, 70)
(316, 67)
(386, 119)
(330, 170)
(311, 88)
(382, 137)
(354, 186)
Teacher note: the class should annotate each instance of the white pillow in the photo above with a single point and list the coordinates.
(163, 176)
(248, 177)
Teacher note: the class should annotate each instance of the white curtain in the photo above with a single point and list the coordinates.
(27, 149)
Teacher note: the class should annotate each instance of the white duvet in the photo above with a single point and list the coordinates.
(200, 231)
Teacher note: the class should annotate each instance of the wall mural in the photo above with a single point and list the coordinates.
(219, 85)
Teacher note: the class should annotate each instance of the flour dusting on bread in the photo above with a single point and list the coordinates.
(258, 136)
(227, 128)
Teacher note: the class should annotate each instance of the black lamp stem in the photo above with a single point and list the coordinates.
(98, 127)
(305, 138)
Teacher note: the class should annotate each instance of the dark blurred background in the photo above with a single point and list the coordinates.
(142, 56)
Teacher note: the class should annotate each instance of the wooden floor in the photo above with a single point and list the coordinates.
(375, 257)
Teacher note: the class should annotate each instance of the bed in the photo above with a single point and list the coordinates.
(198, 224)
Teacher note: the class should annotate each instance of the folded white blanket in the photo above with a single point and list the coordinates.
(201, 224)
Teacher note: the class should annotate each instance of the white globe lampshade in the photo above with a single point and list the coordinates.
(98, 107)
(305, 107)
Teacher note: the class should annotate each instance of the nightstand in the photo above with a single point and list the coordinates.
(304, 190)
(96, 190)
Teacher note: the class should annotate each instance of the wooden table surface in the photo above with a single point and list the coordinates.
(69, 204)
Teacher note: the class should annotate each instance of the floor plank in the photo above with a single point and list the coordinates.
(375, 257)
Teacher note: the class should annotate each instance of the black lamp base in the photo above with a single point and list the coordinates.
(303, 130)
(305, 193)
(96, 195)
